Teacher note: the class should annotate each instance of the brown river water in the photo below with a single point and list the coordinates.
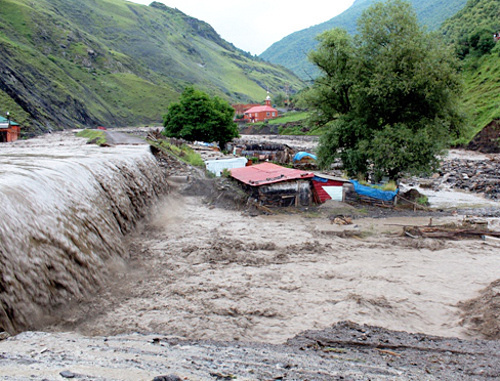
(65, 209)
(71, 259)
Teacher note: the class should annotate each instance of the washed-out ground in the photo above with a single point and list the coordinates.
(212, 293)
(220, 293)
(200, 272)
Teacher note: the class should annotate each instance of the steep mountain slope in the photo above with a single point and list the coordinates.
(472, 29)
(292, 51)
(68, 63)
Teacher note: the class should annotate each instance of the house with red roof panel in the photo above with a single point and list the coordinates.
(272, 184)
(9, 130)
(261, 113)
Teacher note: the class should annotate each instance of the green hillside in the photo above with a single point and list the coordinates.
(292, 51)
(472, 30)
(73, 63)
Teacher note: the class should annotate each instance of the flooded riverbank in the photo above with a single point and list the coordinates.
(190, 272)
(200, 272)
(66, 207)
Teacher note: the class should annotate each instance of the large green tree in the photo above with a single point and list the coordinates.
(197, 116)
(388, 96)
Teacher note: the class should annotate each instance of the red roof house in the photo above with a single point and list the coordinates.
(240, 108)
(273, 184)
(261, 113)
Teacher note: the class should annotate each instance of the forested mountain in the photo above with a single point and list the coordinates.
(292, 51)
(72, 63)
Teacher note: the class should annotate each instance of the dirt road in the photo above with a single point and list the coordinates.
(116, 137)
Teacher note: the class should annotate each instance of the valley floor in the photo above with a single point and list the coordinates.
(200, 272)
(213, 293)
(210, 284)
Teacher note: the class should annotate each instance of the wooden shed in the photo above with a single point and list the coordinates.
(275, 185)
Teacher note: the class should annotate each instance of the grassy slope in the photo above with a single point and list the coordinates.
(292, 123)
(481, 72)
(482, 97)
(112, 62)
(292, 51)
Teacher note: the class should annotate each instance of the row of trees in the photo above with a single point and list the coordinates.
(389, 97)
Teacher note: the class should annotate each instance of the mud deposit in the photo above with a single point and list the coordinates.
(345, 351)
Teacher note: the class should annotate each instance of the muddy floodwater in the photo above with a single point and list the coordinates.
(134, 274)
(66, 207)
(200, 272)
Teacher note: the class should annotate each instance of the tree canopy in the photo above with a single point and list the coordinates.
(197, 116)
(388, 96)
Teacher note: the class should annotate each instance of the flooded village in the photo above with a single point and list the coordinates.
(175, 208)
(258, 255)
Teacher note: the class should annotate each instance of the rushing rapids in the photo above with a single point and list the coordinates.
(65, 208)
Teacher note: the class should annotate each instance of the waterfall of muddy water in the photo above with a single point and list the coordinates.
(65, 207)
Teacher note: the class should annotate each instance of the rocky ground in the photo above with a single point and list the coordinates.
(346, 351)
(471, 175)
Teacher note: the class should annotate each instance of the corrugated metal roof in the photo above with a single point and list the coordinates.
(5, 120)
(260, 109)
(268, 173)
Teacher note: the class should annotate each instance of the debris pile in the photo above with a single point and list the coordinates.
(170, 164)
(340, 219)
(469, 228)
(280, 153)
(471, 175)
(481, 315)
(488, 139)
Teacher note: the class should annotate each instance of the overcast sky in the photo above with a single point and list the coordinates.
(255, 25)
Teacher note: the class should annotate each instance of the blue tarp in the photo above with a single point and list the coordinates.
(300, 155)
(320, 179)
(379, 194)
